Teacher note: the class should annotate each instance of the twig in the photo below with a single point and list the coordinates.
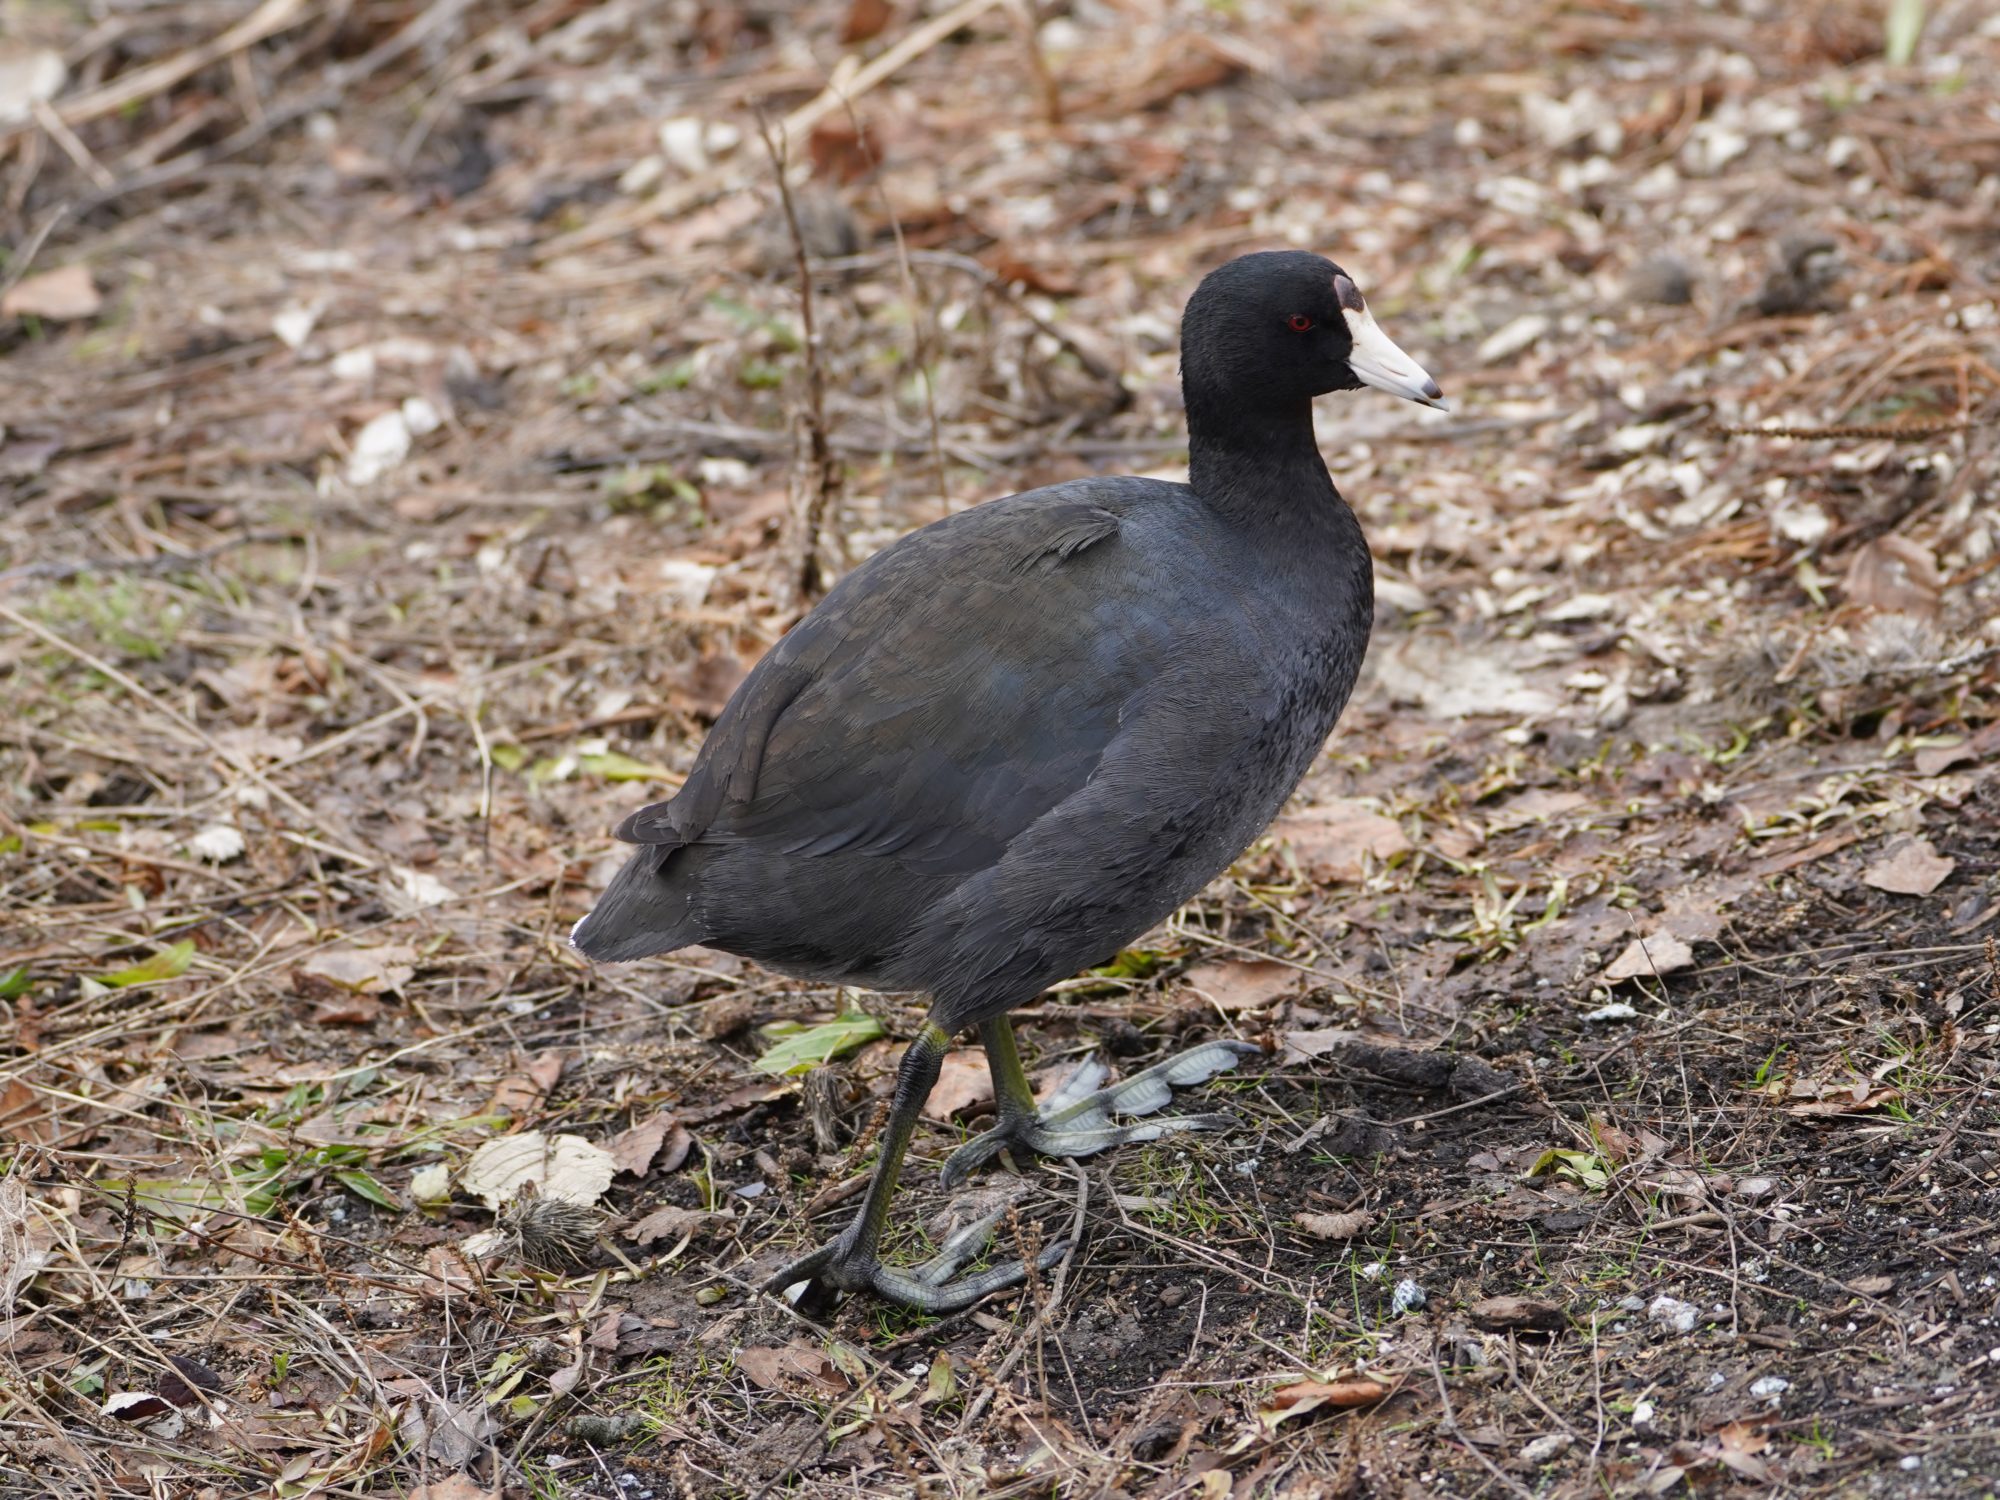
(1033, 1332)
(270, 18)
(163, 562)
(819, 489)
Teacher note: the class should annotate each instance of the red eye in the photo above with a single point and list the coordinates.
(1299, 323)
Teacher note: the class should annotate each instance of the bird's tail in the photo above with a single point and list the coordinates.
(645, 910)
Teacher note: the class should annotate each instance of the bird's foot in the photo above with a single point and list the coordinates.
(1077, 1121)
(845, 1264)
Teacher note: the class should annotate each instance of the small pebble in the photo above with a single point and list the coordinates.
(1407, 1297)
(1545, 1447)
(1676, 1314)
(1770, 1388)
(1172, 1296)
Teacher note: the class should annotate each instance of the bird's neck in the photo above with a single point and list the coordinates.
(1259, 466)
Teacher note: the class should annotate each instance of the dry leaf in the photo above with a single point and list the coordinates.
(1302, 1396)
(62, 295)
(1853, 1102)
(1230, 985)
(1912, 868)
(1335, 840)
(666, 1223)
(1648, 957)
(1335, 1226)
(1536, 806)
(367, 971)
(562, 1166)
(1500, 1314)
(346, 1010)
(791, 1368)
(1894, 575)
(1737, 1444)
(866, 19)
(520, 1093)
(1304, 1046)
(453, 1487)
(661, 1142)
(964, 1081)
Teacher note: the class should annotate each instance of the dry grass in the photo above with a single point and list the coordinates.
(1686, 626)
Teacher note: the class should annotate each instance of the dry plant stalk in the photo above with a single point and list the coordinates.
(817, 487)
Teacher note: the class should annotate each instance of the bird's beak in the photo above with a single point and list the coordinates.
(1375, 360)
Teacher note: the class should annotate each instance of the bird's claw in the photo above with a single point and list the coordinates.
(1077, 1121)
(844, 1265)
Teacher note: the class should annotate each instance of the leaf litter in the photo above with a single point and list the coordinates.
(342, 581)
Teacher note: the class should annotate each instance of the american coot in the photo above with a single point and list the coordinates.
(1010, 743)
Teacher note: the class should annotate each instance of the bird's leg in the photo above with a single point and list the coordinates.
(1078, 1120)
(849, 1263)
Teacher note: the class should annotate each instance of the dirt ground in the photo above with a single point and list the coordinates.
(406, 441)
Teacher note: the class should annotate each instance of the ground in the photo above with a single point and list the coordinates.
(409, 436)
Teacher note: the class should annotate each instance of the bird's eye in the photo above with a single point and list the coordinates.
(1299, 323)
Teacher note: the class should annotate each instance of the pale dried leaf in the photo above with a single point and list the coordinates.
(792, 1367)
(1337, 840)
(563, 1166)
(1912, 868)
(963, 1082)
(1304, 1046)
(62, 295)
(669, 1222)
(453, 1487)
(1647, 957)
(661, 1142)
(1342, 1226)
(368, 971)
(1234, 985)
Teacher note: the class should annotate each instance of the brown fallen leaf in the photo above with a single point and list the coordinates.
(1302, 1396)
(521, 1093)
(1649, 957)
(1912, 868)
(1935, 760)
(1502, 1314)
(794, 1367)
(346, 1010)
(1737, 1444)
(1895, 575)
(1854, 1102)
(1336, 840)
(661, 1142)
(1343, 1226)
(1537, 805)
(453, 1487)
(1304, 1046)
(367, 971)
(1232, 985)
(62, 295)
(664, 1223)
(866, 19)
(963, 1082)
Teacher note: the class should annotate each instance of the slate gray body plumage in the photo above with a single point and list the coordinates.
(901, 796)
(1009, 744)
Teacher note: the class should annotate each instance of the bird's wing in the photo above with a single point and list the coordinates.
(940, 700)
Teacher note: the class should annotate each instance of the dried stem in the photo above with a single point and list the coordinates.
(818, 485)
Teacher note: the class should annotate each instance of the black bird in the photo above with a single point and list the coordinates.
(1010, 743)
